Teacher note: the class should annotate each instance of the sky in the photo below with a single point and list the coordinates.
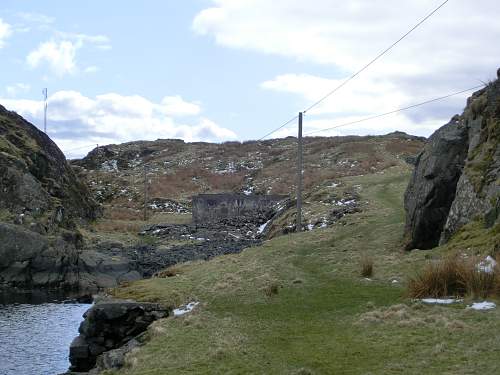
(220, 70)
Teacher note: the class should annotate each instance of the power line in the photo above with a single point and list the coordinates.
(278, 128)
(396, 110)
(359, 71)
(79, 148)
(376, 58)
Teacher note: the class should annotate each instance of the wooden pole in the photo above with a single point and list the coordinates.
(299, 176)
(145, 193)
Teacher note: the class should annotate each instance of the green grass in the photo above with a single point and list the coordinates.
(322, 317)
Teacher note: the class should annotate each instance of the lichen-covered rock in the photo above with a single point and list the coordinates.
(110, 325)
(457, 175)
(37, 185)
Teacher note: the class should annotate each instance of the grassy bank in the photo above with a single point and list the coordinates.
(299, 305)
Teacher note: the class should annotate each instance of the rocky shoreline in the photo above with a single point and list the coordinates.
(110, 329)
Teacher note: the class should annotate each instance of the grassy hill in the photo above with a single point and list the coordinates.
(299, 305)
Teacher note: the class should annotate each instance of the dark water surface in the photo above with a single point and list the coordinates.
(35, 333)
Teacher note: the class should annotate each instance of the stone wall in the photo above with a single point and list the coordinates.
(216, 207)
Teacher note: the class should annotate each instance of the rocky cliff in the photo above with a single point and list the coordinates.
(457, 175)
(38, 187)
(41, 201)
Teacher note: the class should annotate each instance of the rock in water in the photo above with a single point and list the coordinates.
(109, 330)
(456, 177)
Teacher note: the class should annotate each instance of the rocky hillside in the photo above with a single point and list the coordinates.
(39, 188)
(177, 170)
(457, 175)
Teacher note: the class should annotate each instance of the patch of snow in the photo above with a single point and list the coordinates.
(487, 265)
(185, 309)
(343, 202)
(263, 227)
(333, 185)
(248, 190)
(441, 301)
(482, 306)
(368, 279)
(110, 166)
(310, 226)
(394, 281)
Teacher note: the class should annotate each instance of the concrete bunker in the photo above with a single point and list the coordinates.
(216, 207)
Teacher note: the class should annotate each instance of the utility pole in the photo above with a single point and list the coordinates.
(145, 193)
(45, 94)
(299, 176)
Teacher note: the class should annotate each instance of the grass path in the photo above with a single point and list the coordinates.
(297, 305)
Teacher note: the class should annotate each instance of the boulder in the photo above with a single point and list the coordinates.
(29, 260)
(111, 329)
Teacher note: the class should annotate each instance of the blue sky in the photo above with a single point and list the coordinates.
(234, 69)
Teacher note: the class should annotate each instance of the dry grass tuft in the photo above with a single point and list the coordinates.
(169, 272)
(454, 276)
(271, 289)
(366, 264)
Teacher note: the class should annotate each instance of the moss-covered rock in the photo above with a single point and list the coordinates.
(457, 175)
(38, 187)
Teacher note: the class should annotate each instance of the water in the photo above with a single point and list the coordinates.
(35, 334)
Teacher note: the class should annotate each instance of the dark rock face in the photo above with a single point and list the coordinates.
(39, 188)
(41, 200)
(108, 326)
(456, 177)
(432, 187)
(29, 260)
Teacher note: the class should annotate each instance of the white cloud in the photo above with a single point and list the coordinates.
(17, 88)
(60, 53)
(60, 57)
(176, 106)
(364, 99)
(91, 69)
(36, 18)
(76, 120)
(449, 52)
(5, 32)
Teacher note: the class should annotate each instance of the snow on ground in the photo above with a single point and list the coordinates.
(482, 306)
(248, 191)
(263, 227)
(185, 309)
(441, 301)
(110, 166)
(487, 265)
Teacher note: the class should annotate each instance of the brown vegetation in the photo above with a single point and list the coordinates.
(366, 264)
(455, 276)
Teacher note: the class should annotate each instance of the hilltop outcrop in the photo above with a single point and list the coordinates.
(457, 175)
